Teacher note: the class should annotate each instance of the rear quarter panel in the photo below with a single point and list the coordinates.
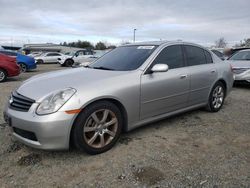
(224, 73)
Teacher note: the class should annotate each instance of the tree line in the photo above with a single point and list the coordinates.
(220, 43)
(86, 44)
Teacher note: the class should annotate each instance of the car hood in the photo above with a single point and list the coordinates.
(239, 64)
(42, 85)
(23, 57)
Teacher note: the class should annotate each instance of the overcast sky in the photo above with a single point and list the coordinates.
(35, 21)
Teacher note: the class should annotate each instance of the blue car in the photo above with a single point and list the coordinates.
(26, 63)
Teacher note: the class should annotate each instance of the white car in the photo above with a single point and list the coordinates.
(49, 57)
(35, 54)
(240, 62)
(79, 56)
(85, 62)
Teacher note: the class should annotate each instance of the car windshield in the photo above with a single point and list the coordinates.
(243, 56)
(9, 53)
(70, 53)
(124, 58)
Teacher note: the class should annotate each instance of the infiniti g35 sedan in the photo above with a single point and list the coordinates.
(128, 87)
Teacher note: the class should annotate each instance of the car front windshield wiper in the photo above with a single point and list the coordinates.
(102, 68)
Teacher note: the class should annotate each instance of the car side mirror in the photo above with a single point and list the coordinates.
(160, 68)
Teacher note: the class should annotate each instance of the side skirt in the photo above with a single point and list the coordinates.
(164, 116)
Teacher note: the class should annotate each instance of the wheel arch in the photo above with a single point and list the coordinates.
(22, 62)
(109, 99)
(5, 70)
(224, 83)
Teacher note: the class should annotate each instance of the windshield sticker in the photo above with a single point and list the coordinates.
(145, 47)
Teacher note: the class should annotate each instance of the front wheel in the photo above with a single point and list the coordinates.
(3, 75)
(216, 97)
(23, 67)
(68, 63)
(40, 61)
(97, 128)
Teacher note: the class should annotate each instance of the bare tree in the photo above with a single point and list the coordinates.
(220, 43)
(247, 42)
(244, 43)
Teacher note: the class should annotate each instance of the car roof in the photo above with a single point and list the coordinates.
(246, 50)
(159, 43)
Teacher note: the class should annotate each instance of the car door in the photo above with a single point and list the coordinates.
(55, 57)
(163, 92)
(47, 57)
(202, 72)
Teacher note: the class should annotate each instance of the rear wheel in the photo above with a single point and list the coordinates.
(3, 75)
(23, 67)
(216, 97)
(97, 128)
(39, 61)
(69, 63)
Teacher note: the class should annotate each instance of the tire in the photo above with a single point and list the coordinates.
(216, 97)
(68, 63)
(23, 67)
(40, 61)
(3, 75)
(92, 132)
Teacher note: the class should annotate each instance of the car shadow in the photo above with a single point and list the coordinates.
(125, 138)
(242, 85)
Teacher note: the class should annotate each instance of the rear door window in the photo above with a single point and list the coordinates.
(194, 55)
(208, 56)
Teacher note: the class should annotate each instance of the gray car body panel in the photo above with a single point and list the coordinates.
(145, 97)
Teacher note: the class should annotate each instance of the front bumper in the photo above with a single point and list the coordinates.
(32, 66)
(52, 132)
(245, 76)
(61, 61)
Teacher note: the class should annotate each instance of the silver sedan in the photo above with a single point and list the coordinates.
(128, 87)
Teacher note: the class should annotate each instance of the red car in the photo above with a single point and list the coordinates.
(8, 67)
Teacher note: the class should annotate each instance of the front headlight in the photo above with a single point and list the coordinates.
(55, 101)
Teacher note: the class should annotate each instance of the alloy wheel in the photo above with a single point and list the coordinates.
(218, 97)
(100, 128)
(23, 67)
(2, 76)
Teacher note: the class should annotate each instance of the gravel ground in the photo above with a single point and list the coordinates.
(195, 149)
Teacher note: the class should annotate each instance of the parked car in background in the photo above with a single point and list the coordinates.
(49, 57)
(26, 63)
(85, 62)
(34, 54)
(8, 67)
(71, 58)
(126, 88)
(219, 54)
(240, 62)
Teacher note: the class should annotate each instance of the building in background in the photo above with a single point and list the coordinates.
(48, 47)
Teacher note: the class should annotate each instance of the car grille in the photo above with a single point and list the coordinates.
(20, 103)
(239, 71)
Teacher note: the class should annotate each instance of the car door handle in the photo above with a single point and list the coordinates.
(183, 76)
(213, 71)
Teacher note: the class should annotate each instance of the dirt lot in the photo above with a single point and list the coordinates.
(195, 149)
